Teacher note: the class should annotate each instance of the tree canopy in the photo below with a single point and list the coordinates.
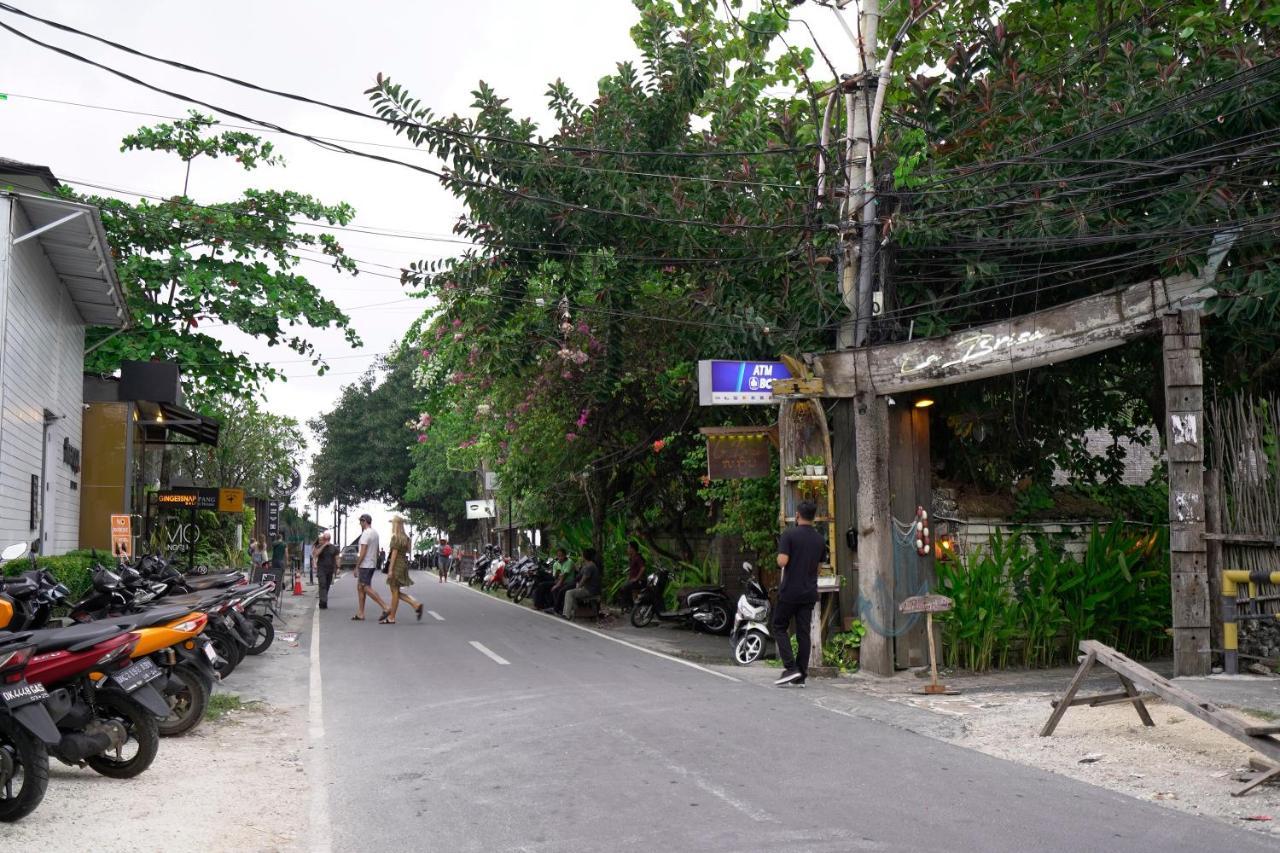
(190, 269)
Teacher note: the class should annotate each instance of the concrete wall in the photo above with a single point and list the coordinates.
(41, 365)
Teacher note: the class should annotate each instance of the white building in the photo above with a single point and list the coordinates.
(56, 278)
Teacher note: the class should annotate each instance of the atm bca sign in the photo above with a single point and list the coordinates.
(480, 509)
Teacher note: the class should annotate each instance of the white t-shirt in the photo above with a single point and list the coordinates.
(369, 538)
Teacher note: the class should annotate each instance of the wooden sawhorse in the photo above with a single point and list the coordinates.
(1140, 683)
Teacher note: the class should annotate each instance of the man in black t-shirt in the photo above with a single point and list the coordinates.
(800, 551)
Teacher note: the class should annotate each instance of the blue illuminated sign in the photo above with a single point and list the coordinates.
(738, 383)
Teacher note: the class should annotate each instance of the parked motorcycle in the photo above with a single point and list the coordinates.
(26, 732)
(703, 607)
(751, 635)
(481, 568)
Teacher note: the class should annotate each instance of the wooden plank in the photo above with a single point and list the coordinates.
(875, 534)
(1186, 537)
(1138, 704)
(1061, 708)
(1182, 368)
(844, 485)
(908, 630)
(1220, 718)
(1072, 330)
(1260, 731)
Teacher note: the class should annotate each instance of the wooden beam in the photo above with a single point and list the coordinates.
(1072, 330)
(875, 534)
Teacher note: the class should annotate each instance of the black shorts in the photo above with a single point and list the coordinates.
(365, 574)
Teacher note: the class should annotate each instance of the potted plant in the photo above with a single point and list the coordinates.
(815, 465)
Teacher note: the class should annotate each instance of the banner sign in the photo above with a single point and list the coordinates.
(273, 519)
(481, 509)
(121, 536)
(738, 383)
(218, 500)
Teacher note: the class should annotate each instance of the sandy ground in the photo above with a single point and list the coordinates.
(1181, 762)
(237, 783)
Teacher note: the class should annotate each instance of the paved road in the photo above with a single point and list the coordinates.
(496, 729)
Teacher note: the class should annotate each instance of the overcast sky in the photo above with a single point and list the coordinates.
(326, 50)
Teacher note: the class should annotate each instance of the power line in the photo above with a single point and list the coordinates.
(359, 114)
(445, 178)
(550, 164)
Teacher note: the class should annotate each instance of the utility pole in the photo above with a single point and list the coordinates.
(861, 480)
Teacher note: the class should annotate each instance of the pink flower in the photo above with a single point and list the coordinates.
(669, 268)
(658, 445)
(422, 439)
(570, 436)
(566, 375)
(584, 328)
(457, 377)
(582, 418)
(457, 321)
(522, 408)
(511, 426)
(439, 332)
(426, 353)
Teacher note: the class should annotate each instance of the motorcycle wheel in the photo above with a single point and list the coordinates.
(642, 615)
(229, 650)
(143, 733)
(26, 761)
(719, 623)
(264, 634)
(518, 594)
(748, 648)
(188, 698)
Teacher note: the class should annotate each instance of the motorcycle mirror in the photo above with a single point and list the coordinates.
(14, 551)
(746, 567)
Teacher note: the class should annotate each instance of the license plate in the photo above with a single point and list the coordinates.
(17, 695)
(136, 674)
(210, 652)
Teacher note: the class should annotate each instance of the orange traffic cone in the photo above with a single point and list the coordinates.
(297, 583)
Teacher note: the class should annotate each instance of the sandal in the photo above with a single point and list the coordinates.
(386, 621)
(418, 611)
(357, 618)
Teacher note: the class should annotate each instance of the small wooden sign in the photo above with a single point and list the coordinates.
(738, 457)
(925, 604)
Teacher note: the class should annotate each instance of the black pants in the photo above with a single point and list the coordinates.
(627, 595)
(542, 595)
(802, 612)
(325, 576)
(558, 597)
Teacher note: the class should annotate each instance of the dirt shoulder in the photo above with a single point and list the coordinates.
(235, 783)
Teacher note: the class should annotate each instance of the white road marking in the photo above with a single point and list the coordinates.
(436, 616)
(320, 831)
(671, 658)
(496, 658)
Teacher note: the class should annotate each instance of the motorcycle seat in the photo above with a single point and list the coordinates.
(75, 638)
(149, 618)
(20, 585)
(686, 591)
(214, 581)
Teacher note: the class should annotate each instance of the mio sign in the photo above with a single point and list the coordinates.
(739, 383)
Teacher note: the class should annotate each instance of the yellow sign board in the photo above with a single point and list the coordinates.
(230, 500)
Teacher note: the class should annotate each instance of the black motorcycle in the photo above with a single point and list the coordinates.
(704, 608)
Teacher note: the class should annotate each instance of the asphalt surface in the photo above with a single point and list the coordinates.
(499, 729)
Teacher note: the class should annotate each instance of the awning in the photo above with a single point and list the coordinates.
(72, 237)
(159, 420)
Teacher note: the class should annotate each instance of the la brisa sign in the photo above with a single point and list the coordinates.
(738, 383)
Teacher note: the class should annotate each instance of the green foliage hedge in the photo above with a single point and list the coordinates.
(75, 569)
(1026, 599)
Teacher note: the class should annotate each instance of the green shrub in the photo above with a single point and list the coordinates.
(1027, 596)
(75, 569)
(841, 649)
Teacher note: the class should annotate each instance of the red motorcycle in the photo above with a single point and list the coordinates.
(103, 704)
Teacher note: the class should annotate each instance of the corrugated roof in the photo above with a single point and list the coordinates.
(76, 245)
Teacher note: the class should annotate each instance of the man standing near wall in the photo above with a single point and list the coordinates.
(800, 551)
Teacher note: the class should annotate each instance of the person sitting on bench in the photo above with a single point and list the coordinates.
(588, 583)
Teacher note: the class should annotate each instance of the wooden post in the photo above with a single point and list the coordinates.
(1213, 554)
(844, 485)
(875, 533)
(1184, 431)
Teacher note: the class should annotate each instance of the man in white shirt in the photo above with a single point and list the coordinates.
(366, 565)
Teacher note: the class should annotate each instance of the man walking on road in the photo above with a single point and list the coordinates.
(800, 550)
(325, 556)
(588, 583)
(366, 565)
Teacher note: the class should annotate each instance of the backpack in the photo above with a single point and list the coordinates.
(447, 551)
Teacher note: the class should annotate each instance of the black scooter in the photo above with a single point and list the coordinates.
(703, 607)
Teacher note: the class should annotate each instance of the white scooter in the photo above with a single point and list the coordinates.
(751, 636)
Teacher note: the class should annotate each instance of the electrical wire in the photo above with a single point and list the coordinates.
(445, 177)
